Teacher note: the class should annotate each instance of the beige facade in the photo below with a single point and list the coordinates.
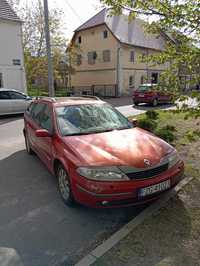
(12, 72)
(119, 70)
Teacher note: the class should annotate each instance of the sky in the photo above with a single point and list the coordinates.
(76, 12)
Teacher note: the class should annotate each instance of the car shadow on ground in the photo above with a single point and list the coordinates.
(5, 119)
(146, 107)
(34, 219)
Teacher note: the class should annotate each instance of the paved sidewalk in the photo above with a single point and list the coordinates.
(121, 101)
(169, 238)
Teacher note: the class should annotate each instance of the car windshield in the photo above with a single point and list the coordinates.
(145, 88)
(90, 118)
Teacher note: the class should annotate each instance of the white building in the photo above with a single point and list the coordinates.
(12, 72)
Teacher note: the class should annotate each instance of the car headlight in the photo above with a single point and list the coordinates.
(173, 159)
(102, 173)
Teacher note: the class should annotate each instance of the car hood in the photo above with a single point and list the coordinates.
(120, 147)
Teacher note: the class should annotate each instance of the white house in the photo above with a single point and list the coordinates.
(12, 72)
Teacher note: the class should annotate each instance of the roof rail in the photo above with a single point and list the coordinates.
(45, 98)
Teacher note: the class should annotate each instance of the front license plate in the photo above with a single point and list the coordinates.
(154, 188)
(141, 95)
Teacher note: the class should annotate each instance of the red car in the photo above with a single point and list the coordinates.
(147, 93)
(98, 156)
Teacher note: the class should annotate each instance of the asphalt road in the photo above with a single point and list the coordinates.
(36, 228)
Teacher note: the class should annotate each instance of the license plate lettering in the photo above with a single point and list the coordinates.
(154, 188)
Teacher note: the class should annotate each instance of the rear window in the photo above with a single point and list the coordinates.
(144, 88)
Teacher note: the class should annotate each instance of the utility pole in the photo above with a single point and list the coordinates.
(48, 48)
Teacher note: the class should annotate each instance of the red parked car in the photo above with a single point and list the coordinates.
(147, 93)
(98, 156)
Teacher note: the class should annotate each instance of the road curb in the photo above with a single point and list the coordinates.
(126, 229)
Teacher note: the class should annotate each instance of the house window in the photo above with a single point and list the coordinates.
(106, 56)
(92, 56)
(132, 56)
(154, 78)
(79, 59)
(16, 62)
(79, 39)
(1, 80)
(131, 81)
(105, 34)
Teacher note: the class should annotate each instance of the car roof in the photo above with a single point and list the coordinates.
(61, 101)
(3, 89)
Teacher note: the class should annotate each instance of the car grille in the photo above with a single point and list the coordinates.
(148, 173)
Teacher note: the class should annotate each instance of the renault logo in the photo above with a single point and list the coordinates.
(147, 162)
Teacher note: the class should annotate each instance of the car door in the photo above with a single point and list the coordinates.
(45, 144)
(41, 118)
(5, 103)
(19, 102)
(33, 114)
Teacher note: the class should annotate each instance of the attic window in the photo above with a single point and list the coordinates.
(79, 39)
(105, 34)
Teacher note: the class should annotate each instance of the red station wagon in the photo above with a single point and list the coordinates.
(146, 93)
(98, 156)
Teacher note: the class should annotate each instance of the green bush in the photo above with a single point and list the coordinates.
(147, 124)
(165, 133)
(151, 114)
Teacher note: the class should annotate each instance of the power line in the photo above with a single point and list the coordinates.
(74, 11)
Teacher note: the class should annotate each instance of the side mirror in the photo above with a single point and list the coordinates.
(42, 133)
(134, 122)
(28, 98)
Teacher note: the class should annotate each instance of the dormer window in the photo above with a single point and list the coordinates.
(105, 34)
(79, 39)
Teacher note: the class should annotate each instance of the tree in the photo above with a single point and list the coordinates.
(180, 20)
(34, 43)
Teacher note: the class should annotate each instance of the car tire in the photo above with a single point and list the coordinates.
(155, 102)
(64, 186)
(135, 103)
(28, 145)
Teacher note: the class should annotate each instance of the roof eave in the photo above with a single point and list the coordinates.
(12, 20)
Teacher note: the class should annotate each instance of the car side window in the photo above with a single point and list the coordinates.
(46, 118)
(41, 114)
(29, 108)
(17, 96)
(36, 112)
(4, 95)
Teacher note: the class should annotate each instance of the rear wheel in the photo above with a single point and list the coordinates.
(27, 143)
(155, 102)
(64, 186)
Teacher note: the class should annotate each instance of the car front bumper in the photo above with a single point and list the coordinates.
(116, 194)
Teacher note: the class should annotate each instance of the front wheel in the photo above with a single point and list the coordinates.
(64, 186)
